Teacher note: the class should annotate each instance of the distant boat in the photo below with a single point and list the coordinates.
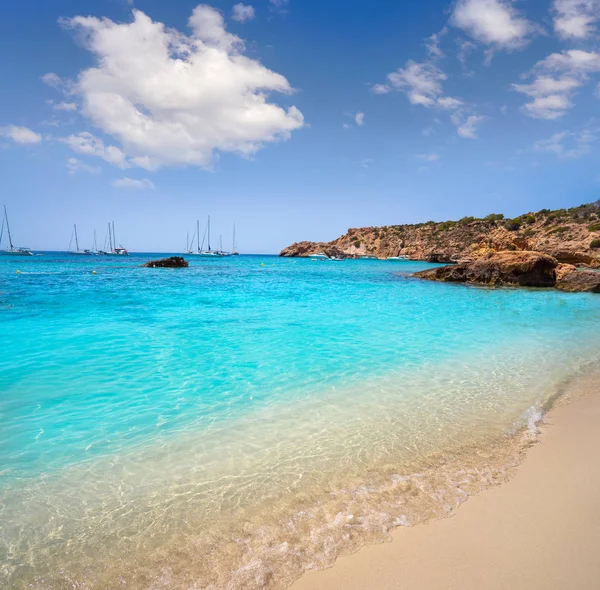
(188, 244)
(401, 257)
(11, 250)
(77, 251)
(318, 256)
(234, 252)
(220, 251)
(210, 253)
(113, 249)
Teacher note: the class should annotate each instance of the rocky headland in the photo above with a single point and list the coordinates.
(570, 236)
(519, 269)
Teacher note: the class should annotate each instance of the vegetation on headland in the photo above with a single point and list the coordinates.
(569, 235)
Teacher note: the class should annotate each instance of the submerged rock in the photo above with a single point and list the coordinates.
(524, 269)
(172, 262)
(579, 281)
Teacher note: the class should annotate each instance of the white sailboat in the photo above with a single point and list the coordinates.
(113, 249)
(210, 253)
(234, 251)
(11, 250)
(220, 251)
(77, 251)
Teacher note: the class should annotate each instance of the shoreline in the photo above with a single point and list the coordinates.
(540, 529)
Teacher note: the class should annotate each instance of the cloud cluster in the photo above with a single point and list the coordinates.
(555, 79)
(22, 135)
(170, 99)
(567, 145)
(575, 19)
(133, 183)
(422, 84)
(74, 165)
(495, 23)
(242, 12)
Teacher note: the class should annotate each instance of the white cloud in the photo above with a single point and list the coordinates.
(65, 106)
(468, 128)
(87, 144)
(22, 135)
(464, 49)
(422, 82)
(366, 162)
(380, 89)
(432, 44)
(279, 5)
(171, 99)
(575, 19)
(567, 145)
(495, 23)
(242, 12)
(133, 183)
(556, 79)
(449, 103)
(74, 165)
(359, 119)
(432, 157)
(53, 80)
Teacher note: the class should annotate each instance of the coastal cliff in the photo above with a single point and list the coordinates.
(570, 236)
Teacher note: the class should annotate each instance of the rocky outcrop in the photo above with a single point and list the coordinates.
(582, 280)
(523, 269)
(305, 249)
(172, 262)
(568, 235)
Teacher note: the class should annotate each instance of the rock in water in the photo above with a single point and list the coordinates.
(524, 269)
(172, 262)
(580, 280)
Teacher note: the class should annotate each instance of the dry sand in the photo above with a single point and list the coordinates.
(541, 530)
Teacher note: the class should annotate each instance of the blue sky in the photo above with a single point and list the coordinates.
(294, 120)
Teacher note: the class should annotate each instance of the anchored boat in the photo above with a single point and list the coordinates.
(11, 250)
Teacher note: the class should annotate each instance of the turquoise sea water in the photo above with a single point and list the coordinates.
(231, 424)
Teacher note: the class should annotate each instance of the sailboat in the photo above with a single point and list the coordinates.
(113, 249)
(11, 250)
(196, 236)
(220, 251)
(77, 251)
(234, 252)
(210, 253)
(188, 244)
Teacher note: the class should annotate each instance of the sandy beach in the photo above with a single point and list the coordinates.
(540, 530)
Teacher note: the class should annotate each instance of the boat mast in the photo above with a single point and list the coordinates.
(208, 233)
(110, 239)
(8, 228)
(76, 240)
(233, 244)
(114, 236)
(95, 244)
(198, 236)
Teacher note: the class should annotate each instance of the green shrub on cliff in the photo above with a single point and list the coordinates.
(513, 224)
(445, 225)
(494, 217)
(561, 229)
(595, 244)
(594, 227)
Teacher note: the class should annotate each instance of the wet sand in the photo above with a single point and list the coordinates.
(540, 530)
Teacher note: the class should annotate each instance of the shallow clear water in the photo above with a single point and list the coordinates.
(236, 422)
